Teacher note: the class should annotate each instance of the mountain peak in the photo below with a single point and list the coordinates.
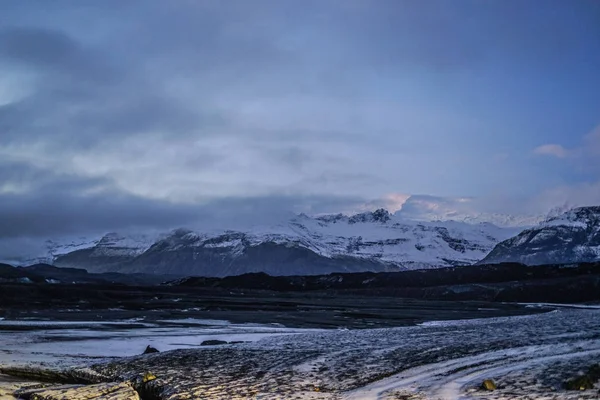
(580, 217)
(332, 218)
(571, 237)
(380, 215)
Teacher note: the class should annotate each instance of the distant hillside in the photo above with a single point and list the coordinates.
(49, 274)
(499, 282)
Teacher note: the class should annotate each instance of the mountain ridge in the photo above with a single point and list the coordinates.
(371, 241)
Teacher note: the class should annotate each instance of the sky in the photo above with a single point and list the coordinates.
(152, 114)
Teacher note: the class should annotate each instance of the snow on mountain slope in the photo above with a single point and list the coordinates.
(573, 236)
(110, 244)
(28, 251)
(402, 242)
(374, 241)
(114, 244)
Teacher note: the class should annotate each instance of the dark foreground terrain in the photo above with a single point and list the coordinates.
(315, 309)
(525, 357)
(434, 334)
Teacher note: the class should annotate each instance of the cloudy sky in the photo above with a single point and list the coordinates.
(121, 113)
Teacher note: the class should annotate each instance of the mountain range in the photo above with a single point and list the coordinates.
(371, 241)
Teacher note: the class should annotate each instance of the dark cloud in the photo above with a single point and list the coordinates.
(29, 178)
(55, 214)
(45, 204)
(40, 202)
(82, 97)
(40, 47)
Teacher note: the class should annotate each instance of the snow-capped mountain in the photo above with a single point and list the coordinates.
(573, 236)
(110, 245)
(29, 251)
(371, 241)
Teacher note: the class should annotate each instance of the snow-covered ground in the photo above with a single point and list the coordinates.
(70, 343)
(529, 357)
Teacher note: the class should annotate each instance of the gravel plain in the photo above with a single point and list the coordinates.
(528, 357)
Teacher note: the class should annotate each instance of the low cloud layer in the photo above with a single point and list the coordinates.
(36, 202)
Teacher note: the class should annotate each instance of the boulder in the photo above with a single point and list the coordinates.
(213, 343)
(585, 381)
(150, 350)
(148, 376)
(489, 385)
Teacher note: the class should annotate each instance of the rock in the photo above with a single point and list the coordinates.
(150, 350)
(10, 386)
(148, 376)
(103, 391)
(67, 376)
(586, 381)
(213, 343)
(144, 385)
(580, 383)
(489, 385)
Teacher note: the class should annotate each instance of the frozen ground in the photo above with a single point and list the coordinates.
(529, 357)
(72, 343)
